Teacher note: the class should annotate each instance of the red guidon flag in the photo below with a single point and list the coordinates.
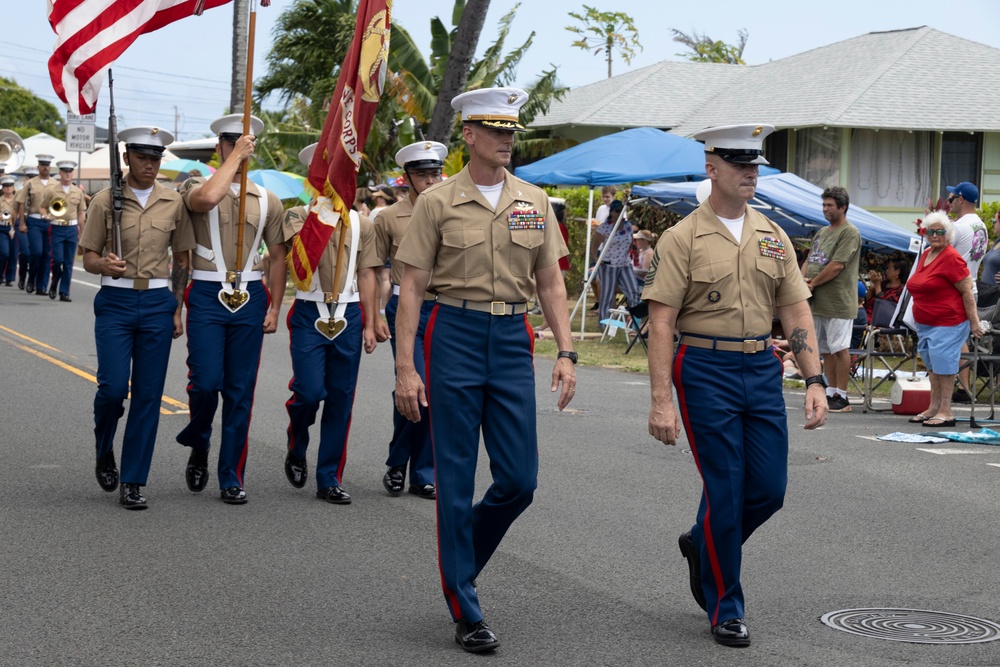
(91, 34)
(335, 164)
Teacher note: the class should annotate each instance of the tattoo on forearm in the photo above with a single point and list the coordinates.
(798, 341)
(179, 281)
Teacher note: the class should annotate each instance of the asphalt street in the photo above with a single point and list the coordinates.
(589, 575)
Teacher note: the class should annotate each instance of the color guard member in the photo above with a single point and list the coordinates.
(716, 280)
(411, 441)
(137, 310)
(327, 326)
(227, 322)
(65, 206)
(35, 226)
(480, 240)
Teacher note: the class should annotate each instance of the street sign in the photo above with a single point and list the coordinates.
(80, 137)
(80, 118)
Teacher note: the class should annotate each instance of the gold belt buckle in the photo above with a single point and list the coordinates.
(230, 276)
(750, 346)
(140, 283)
(329, 297)
(495, 305)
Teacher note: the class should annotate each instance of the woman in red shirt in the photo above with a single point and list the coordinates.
(944, 310)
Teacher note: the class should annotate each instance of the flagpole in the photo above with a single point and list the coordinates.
(248, 89)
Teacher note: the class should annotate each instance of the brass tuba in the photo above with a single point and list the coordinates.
(58, 208)
(11, 150)
(5, 216)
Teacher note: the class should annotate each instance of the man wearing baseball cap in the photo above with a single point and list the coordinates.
(971, 240)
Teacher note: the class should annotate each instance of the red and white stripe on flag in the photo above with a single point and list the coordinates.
(91, 34)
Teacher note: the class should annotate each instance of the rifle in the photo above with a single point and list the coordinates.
(117, 181)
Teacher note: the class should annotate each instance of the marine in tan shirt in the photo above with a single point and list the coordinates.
(135, 312)
(484, 241)
(715, 281)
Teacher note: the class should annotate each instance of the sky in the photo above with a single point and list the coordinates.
(178, 77)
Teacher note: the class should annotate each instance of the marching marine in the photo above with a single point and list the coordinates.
(229, 310)
(35, 226)
(137, 310)
(411, 441)
(65, 206)
(327, 327)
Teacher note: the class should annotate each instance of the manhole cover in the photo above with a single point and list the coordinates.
(918, 626)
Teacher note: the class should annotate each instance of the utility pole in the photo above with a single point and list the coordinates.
(177, 116)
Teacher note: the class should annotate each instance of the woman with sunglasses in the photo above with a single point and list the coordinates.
(944, 310)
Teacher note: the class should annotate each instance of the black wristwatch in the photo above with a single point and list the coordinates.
(816, 379)
(564, 354)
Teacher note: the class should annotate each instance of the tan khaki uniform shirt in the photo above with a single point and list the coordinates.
(390, 226)
(11, 206)
(476, 253)
(147, 232)
(368, 258)
(228, 212)
(721, 289)
(37, 190)
(75, 201)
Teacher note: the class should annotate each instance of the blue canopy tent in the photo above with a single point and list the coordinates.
(793, 203)
(639, 154)
(631, 156)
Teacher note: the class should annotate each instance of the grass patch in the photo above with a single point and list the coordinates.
(609, 354)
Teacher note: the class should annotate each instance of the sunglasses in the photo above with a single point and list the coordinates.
(952, 198)
(936, 232)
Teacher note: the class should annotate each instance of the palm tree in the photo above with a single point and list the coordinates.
(607, 32)
(706, 50)
(457, 70)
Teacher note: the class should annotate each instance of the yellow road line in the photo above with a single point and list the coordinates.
(81, 373)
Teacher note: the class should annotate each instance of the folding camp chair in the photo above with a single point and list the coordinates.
(873, 356)
(640, 314)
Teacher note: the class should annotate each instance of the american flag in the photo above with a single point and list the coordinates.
(91, 34)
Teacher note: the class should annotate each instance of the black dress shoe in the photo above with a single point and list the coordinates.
(475, 637)
(395, 480)
(335, 495)
(20, 284)
(30, 287)
(427, 491)
(107, 472)
(196, 473)
(694, 567)
(65, 298)
(131, 497)
(733, 632)
(8, 283)
(52, 292)
(234, 495)
(296, 471)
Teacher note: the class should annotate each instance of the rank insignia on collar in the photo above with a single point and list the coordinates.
(714, 296)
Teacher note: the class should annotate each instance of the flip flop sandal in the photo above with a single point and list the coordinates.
(919, 419)
(938, 423)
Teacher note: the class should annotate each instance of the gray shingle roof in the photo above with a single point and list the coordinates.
(902, 79)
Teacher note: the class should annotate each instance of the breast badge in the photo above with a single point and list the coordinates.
(714, 296)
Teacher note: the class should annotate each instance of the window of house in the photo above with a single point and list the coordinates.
(776, 149)
(961, 154)
(817, 155)
(891, 168)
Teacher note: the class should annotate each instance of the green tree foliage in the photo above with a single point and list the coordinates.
(605, 32)
(26, 114)
(704, 49)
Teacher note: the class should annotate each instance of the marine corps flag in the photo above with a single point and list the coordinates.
(333, 172)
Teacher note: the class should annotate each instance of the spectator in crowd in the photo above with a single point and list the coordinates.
(887, 285)
(644, 241)
(944, 310)
(861, 321)
(831, 272)
(615, 271)
(971, 241)
(989, 286)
